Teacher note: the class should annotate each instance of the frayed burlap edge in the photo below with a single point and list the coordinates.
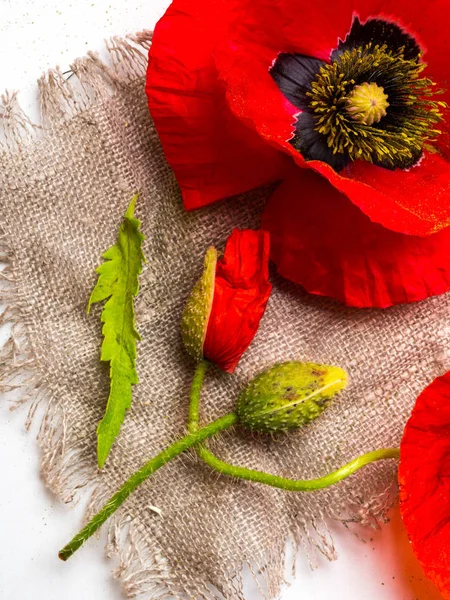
(142, 567)
(66, 95)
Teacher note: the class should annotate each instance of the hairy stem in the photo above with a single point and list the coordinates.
(194, 397)
(295, 485)
(292, 485)
(144, 472)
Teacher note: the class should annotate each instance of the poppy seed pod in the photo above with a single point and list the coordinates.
(288, 395)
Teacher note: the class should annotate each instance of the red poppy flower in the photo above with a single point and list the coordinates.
(424, 477)
(225, 307)
(244, 91)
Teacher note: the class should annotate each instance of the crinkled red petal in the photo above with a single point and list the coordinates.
(424, 478)
(321, 240)
(212, 153)
(241, 292)
(413, 202)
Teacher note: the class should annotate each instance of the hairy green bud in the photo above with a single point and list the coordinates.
(194, 321)
(288, 395)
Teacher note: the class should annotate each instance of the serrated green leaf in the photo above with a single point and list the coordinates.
(118, 284)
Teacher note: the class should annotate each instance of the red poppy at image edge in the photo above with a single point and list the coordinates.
(424, 478)
(225, 127)
(241, 292)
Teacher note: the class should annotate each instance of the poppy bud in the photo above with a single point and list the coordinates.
(226, 305)
(288, 395)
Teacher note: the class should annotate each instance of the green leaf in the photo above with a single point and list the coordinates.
(118, 284)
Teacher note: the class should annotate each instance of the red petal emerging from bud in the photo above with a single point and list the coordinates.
(241, 292)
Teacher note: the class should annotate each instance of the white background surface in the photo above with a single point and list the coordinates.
(36, 35)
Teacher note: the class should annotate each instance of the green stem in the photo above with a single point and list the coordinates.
(135, 480)
(194, 397)
(295, 485)
(292, 485)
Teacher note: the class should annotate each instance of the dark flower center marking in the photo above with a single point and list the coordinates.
(370, 102)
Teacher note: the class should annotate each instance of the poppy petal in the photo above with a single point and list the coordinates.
(413, 202)
(212, 153)
(320, 240)
(424, 478)
(241, 292)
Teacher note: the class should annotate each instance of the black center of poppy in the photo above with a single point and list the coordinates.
(369, 102)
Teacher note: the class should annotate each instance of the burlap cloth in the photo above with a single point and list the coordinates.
(63, 190)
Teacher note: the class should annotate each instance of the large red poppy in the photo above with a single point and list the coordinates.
(424, 477)
(220, 91)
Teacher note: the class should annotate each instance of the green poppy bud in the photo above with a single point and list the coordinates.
(288, 395)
